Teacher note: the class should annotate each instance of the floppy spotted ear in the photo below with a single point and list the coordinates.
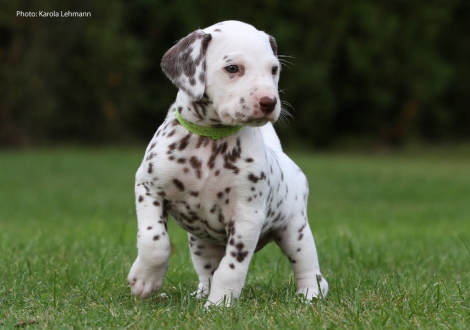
(185, 63)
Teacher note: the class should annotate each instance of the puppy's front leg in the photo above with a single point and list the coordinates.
(229, 278)
(153, 243)
(297, 243)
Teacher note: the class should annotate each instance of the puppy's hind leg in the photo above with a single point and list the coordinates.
(297, 243)
(206, 259)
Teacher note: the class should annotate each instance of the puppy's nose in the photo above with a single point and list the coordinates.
(267, 104)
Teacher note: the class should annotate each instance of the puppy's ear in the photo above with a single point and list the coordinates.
(185, 63)
(273, 43)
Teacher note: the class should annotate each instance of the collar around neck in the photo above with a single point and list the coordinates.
(213, 132)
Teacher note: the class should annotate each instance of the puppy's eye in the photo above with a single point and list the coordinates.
(274, 70)
(231, 68)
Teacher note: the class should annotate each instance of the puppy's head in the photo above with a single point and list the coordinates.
(235, 66)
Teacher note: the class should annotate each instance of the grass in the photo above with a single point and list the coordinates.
(392, 232)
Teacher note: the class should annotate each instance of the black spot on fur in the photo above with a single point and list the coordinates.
(221, 217)
(196, 164)
(213, 209)
(202, 141)
(199, 109)
(152, 146)
(171, 148)
(178, 184)
(232, 167)
(253, 178)
(239, 255)
(150, 157)
(184, 142)
(239, 246)
(231, 228)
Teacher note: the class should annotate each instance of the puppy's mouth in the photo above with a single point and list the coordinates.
(241, 119)
(247, 121)
(256, 122)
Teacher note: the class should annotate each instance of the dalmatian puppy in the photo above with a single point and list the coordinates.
(217, 167)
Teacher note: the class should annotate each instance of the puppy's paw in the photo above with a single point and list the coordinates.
(221, 303)
(201, 292)
(314, 292)
(145, 279)
(223, 298)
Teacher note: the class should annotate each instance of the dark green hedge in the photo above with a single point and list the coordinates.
(387, 71)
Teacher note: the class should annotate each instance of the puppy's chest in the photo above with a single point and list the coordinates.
(199, 178)
(201, 199)
(194, 166)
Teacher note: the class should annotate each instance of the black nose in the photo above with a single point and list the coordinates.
(267, 104)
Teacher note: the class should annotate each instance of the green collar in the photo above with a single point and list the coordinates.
(213, 132)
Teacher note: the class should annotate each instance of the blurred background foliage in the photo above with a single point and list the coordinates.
(382, 72)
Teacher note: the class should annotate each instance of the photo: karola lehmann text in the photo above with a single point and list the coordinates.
(20, 13)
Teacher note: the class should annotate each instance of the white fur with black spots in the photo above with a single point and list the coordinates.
(234, 194)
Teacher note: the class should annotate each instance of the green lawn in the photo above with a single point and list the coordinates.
(392, 233)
